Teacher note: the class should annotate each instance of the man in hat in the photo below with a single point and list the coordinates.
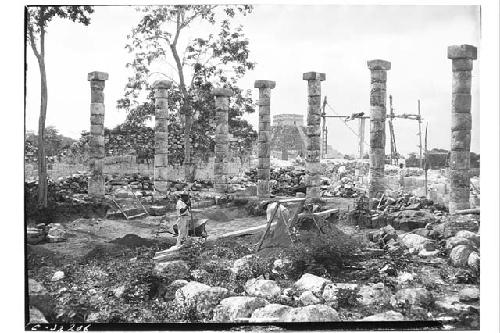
(183, 207)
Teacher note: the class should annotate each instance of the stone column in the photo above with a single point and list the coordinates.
(461, 124)
(313, 133)
(161, 134)
(378, 70)
(221, 138)
(97, 152)
(264, 167)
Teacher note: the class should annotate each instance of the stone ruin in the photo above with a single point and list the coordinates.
(462, 57)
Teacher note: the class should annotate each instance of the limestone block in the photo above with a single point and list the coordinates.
(459, 160)
(97, 76)
(462, 52)
(378, 98)
(263, 188)
(264, 150)
(314, 76)
(222, 92)
(378, 64)
(461, 82)
(264, 162)
(461, 121)
(264, 102)
(264, 116)
(97, 129)
(161, 160)
(314, 88)
(222, 103)
(263, 173)
(264, 84)
(460, 140)
(378, 76)
(97, 119)
(314, 100)
(461, 64)
(264, 126)
(160, 95)
(161, 113)
(97, 109)
(378, 113)
(461, 103)
(161, 127)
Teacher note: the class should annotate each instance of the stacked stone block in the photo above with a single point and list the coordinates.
(462, 57)
(161, 134)
(378, 96)
(221, 138)
(97, 152)
(313, 132)
(264, 144)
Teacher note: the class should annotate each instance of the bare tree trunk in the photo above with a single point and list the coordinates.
(42, 163)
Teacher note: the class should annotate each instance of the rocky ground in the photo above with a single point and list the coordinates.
(426, 270)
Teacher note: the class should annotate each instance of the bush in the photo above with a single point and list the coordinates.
(321, 254)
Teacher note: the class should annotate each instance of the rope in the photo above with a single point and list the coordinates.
(356, 134)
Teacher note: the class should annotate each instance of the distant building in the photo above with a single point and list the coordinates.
(288, 136)
(288, 119)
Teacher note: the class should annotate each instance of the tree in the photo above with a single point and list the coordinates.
(206, 61)
(37, 22)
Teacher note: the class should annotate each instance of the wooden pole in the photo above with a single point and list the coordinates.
(420, 133)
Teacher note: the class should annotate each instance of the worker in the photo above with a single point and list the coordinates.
(402, 175)
(183, 207)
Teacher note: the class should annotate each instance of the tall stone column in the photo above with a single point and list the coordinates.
(378, 71)
(314, 79)
(221, 138)
(97, 152)
(161, 134)
(462, 57)
(263, 171)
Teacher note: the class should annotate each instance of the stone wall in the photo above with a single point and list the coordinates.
(127, 164)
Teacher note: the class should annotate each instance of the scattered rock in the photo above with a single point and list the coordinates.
(176, 284)
(262, 288)
(36, 316)
(234, 308)
(242, 265)
(59, 275)
(376, 294)
(118, 292)
(454, 241)
(469, 294)
(270, 313)
(208, 300)
(311, 313)
(308, 298)
(469, 235)
(186, 295)
(411, 219)
(428, 254)
(331, 290)
(474, 261)
(413, 296)
(177, 268)
(385, 316)
(405, 277)
(459, 255)
(312, 283)
(56, 233)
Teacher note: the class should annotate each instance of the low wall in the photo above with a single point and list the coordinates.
(121, 165)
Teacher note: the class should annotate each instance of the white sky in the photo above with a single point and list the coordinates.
(285, 41)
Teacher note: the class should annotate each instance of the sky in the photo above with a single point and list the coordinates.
(285, 41)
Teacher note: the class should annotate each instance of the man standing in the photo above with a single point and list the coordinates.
(183, 207)
(402, 175)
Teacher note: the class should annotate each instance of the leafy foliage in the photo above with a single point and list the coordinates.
(209, 60)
